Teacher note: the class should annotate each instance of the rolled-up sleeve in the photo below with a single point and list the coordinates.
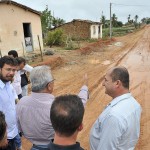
(84, 94)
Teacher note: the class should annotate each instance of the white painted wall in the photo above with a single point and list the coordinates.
(11, 28)
(95, 34)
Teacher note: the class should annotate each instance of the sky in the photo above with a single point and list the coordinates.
(91, 9)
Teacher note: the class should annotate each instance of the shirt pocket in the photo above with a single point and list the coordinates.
(98, 125)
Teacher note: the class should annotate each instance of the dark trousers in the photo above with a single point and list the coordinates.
(19, 96)
(11, 145)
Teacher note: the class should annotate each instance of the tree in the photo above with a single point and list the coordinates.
(103, 20)
(46, 20)
(143, 20)
(136, 18)
(57, 22)
(114, 20)
(147, 20)
(54, 37)
(135, 22)
(129, 17)
(119, 24)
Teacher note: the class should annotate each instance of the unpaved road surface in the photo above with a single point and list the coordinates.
(131, 51)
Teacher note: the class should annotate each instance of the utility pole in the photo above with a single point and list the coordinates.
(110, 22)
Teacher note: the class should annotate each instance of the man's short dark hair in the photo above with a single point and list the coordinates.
(20, 60)
(121, 73)
(8, 60)
(13, 52)
(67, 114)
(2, 125)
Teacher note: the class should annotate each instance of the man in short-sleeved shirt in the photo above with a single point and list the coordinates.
(118, 127)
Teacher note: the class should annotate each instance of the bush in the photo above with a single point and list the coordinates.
(54, 38)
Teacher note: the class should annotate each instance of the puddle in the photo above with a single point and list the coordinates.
(119, 44)
(67, 68)
(106, 62)
(94, 61)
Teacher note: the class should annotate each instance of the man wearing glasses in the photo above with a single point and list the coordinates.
(8, 66)
(33, 111)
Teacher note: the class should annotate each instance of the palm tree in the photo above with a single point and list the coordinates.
(135, 22)
(129, 18)
(114, 20)
(103, 20)
(136, 18)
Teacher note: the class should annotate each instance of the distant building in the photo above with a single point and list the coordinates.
(20, 27)
(82, 29)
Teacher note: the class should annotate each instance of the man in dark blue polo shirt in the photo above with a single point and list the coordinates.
(66, 116)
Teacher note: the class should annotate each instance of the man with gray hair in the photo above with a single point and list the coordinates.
(33, 111)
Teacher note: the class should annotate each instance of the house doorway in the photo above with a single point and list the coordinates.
(28, 37)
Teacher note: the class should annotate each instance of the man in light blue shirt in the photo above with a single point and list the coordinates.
(8, 67)
(118, 127)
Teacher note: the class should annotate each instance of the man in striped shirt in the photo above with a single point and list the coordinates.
(118, 127)
(33, 111)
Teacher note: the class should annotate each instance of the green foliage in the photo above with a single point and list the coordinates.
(92, 40)
(72, 44)
(46, 20)
(118, 31)
(119, 24)
(57, 22)
(55, 38)
(103, 21)
(114, 20)
(146, 20)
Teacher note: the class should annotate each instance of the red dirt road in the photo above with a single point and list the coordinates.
(133, 52)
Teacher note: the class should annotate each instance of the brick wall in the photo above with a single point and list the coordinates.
(76, 29)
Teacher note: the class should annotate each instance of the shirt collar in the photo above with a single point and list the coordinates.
(2, 84)
(34, 94)
(60, 147)
(119, 98)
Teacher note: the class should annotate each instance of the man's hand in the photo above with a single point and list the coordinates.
(16, 101)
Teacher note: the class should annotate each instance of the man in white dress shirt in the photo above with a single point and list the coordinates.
(24, 68)
(118, 127)
(8, 66)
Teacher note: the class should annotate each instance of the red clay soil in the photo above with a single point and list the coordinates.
(97, 45)
(52, 61)
(134, 54)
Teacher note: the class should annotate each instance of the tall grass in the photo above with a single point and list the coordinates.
(118, 31)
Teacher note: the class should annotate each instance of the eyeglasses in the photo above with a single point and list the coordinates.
(9, 69)
(50, 82)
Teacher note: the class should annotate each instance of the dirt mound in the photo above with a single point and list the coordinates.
(95, 46)
(53, 62)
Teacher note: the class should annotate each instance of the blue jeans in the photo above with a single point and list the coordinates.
(37, 147)
(17, 140)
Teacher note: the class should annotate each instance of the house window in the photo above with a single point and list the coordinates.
(94, 30)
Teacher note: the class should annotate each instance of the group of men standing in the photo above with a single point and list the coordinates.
(53, 123)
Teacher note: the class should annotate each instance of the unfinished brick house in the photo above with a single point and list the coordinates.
(82, 29)
(20, 28)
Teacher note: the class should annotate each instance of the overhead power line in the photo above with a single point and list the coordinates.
(132, 5)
